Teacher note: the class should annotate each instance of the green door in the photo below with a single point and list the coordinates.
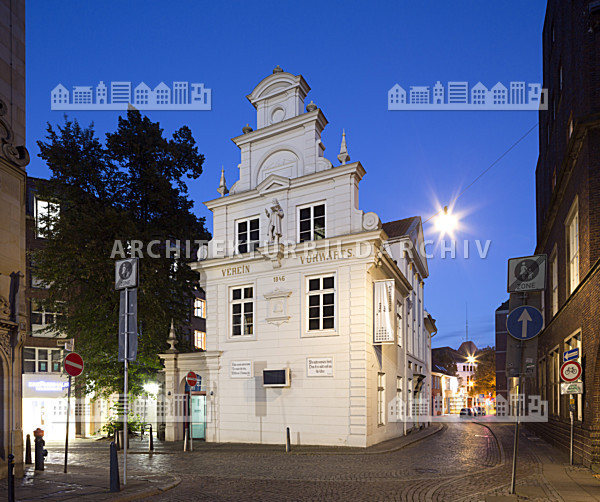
(198, 416)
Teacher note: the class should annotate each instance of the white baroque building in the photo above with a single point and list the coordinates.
(290, 281)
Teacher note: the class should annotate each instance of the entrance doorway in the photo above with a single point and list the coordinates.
(198, 415)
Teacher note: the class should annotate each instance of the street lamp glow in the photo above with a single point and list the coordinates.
(471, 359)
(151, 388)
(446, 222)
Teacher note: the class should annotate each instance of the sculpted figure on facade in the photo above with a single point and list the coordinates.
(275, 221)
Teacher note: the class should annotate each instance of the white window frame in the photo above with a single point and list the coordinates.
(321, 292)
(572, 241)
(200, 308)
(380, 399)
(242, 301)
(251, 244)
(554, 283)
(199, 339)
(35, 308)
(49, 360)
(50, 209)
(312, 206)
(399, 322)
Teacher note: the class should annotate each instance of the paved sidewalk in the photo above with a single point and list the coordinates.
(137, 446)
(87, 483)
(555, 479)
(91, 480)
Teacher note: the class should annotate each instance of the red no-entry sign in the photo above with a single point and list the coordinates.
(73, 364)
(570, 371)
(191, 379)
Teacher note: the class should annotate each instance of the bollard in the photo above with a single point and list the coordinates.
(115, 483)
(11, 478)
(288, 446)
(28, 450)
(117, 443)
(40, 452)
(151, 443)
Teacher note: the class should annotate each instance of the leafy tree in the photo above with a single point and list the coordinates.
(131, 188)
(485, 374)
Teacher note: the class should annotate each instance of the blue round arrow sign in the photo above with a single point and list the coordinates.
(524, 323)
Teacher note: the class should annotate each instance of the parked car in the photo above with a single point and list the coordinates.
(480, 411)
(466, 412)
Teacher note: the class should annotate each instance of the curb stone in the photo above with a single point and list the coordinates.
(148, 493)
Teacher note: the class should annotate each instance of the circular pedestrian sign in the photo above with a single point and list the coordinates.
(73, 364)
(524, 322)
(191, 379)
(570, 371)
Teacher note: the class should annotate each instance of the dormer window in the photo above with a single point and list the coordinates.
(312, 223)
(248, 234)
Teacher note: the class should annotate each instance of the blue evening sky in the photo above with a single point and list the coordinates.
(350, 53)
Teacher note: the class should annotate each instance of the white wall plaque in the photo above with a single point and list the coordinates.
(319, 366)
(241, 369)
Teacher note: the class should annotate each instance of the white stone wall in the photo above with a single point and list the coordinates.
(283, 160)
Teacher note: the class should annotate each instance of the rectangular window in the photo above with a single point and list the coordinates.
(45, 214)
(247, 234)
(555, 381)
(399, 403)
(572, 225)
(321, 303)
(312, 223)
(554, 285)
(42, 361)
(543, 379)
(200, 308)
(399, 324)
(28, 360)
(199, 340)
(56, 361)
(380, 398)
(242, 311)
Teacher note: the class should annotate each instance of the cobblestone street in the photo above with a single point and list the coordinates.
(432, 469)
(463, 461)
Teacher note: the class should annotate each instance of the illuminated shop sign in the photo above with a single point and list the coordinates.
(45, 386)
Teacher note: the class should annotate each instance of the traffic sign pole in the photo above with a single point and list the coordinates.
(571, 404)
(68, 417)
(191, 379)
(73, 366)
(519, 380)
(126, 387)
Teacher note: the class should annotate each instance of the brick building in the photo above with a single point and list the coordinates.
(501, 339)
(568, 220)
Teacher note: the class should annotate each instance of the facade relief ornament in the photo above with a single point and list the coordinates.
(4, 308)
(277, 308)
(371, 221)
(17, 155)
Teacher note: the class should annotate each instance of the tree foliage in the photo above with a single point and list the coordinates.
(485, 374)
(132, 187)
